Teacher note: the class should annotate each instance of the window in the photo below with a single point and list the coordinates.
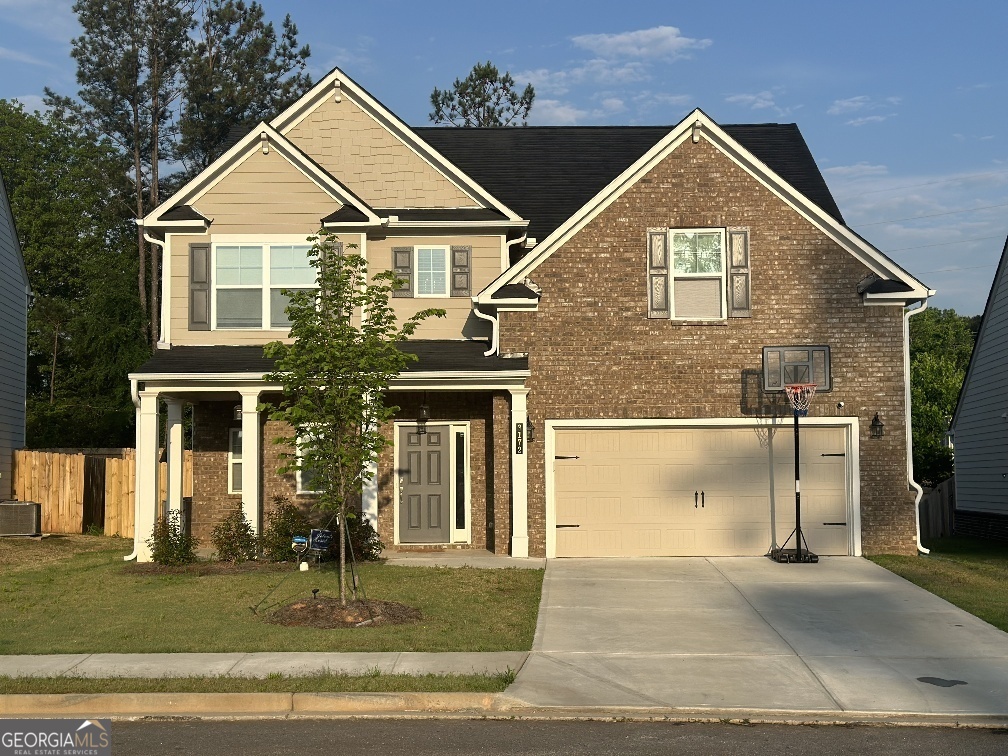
(698, 290)
(787, 365)
(693, 275)
(248, 282)
(307, 477)
(432, 272)
(235, 461)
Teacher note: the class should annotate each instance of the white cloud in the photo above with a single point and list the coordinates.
(31, 102)
(604, 73)
(556, 113)
(758, 101)
(856, 171)
(850, 105)
(52, 19)
(659, 42)
(613, 105)
(19, 57)
(864, 120)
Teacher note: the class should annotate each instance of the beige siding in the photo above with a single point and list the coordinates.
(265, 194)
(366, 157)
(459, 321)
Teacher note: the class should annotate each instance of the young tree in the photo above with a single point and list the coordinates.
(237, 72)
(483, 98)
(335, 375)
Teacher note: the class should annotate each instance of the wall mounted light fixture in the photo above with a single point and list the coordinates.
(423, 415)
(877, 427)
(529, 430)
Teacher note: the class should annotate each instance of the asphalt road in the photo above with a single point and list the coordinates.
(453, 737)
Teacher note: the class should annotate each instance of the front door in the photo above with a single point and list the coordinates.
(424, 485)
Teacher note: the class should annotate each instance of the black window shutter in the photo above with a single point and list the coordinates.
(658, 274)
(739, 284)
(199, 287)
(460, 271)
(402, 266)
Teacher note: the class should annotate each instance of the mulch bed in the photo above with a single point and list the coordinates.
(326, 613)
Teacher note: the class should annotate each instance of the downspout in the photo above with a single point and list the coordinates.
(135, 396)
(160, 242)
(494, 320)
(907, 314)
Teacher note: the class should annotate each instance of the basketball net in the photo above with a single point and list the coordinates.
(800, 395)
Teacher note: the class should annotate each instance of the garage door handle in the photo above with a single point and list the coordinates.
(696, 495)
(701, 500)
(835, 454)
(568, 526)
(835, 523)
(566, 456)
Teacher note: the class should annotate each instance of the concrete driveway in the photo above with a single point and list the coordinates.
(843, 635)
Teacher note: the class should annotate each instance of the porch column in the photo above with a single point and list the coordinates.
(146, 503)
(519, 474)
(251, 462)
(173, 435)
(369, 496)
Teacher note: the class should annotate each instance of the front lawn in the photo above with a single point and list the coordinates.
(75, 595)
(968, 572)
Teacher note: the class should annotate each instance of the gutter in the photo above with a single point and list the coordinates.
(494, 319)
(160, 242)
(907, 314)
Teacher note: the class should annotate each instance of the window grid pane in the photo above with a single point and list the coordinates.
(239, 265)
(278, 307)
(239, 308)
(432, 272)
(290, 266)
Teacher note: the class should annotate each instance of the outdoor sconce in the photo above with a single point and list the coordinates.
(237, 413)
(529, 430)
(877, 427)
(423, 415)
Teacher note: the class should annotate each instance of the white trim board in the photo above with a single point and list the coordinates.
(852, 450)
(698, 125)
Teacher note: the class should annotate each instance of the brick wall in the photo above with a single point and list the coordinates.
(594, 353)
(211, 500)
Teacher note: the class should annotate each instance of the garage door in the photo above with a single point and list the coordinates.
(695, 491)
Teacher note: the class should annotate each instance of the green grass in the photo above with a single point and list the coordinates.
(968, 572)
(273, 684)
(60, 599)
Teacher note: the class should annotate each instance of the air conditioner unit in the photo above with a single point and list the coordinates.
(20, 518)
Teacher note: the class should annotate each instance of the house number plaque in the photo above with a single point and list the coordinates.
(519, 438)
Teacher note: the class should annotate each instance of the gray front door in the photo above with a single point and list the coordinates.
(424, 485)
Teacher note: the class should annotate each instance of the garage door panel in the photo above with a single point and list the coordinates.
(633, 491)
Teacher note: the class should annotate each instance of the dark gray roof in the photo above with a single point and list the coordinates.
(546, 174)
(432, 356)
(441, 214)
(182, 213)
(514, 291)
(346, 214)
(883, 286)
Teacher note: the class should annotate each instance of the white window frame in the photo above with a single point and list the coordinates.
(447, 270)
(301, 490)
(232, 459)
(266, 287)
(722, 277)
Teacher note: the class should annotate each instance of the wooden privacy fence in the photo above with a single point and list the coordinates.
(79, 490)
(937, 510)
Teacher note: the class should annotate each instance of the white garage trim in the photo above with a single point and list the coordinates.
(849, 424)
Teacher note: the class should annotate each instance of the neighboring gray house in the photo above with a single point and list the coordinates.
(14, 294)
(980, 422)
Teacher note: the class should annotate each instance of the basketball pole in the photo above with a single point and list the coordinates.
(797, 490)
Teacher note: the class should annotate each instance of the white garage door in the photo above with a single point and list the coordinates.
(695, 491)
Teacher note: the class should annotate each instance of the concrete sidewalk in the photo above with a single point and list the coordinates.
(259, 665)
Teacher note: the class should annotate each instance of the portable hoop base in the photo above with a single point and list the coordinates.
(800, 396)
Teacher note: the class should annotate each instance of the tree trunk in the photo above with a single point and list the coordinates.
(141, 244)
(52, 372)
(342, 555)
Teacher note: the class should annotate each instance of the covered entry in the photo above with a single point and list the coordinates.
(697, 490)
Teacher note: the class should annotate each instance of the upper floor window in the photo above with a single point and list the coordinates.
(432, 270)
(249, 280)
(698, 273)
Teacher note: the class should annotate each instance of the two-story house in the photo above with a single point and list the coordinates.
(625, 306)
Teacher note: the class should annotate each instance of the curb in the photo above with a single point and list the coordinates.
(224, 706)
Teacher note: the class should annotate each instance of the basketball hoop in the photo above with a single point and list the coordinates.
(800, 396)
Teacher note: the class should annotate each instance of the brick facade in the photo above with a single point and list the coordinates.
(594, 353)
(212, 422)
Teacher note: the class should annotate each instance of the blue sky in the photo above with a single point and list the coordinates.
(903, 104)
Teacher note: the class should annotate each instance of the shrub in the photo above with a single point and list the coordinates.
(282, 524)
(367, 547)
(233, 538)
(169, 543)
